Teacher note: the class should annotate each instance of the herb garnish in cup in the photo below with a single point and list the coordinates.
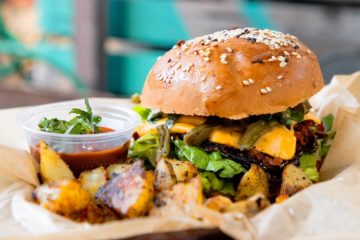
(85, 138)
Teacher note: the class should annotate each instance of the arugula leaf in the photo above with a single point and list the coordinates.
(327, 122)
(211, 182)
(214, 162)
(308, 165)
(53, 125)
(142, 111)
(146, 148)
(84, 123)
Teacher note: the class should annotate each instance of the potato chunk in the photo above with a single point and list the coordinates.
(116, 169)
(254, 181)
(250, 206)
(183, 170)
(129, 194)
(52, 167)
(92, 180)
(293, 180)
(218, 203)
(65, 197)
(180, 199)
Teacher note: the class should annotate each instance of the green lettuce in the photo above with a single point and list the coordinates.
(325, 143)
(142, 111)
(146, 148)
(211, 182)
(212, 162)
(308, 165)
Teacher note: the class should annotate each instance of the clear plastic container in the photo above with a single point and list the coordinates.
(87, 151)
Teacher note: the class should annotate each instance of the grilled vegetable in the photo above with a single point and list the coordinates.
(293, 180)
(254, 181)
(52, 167)
(198, 134)
(253, 132)
(129, 194)
(92, 180)
(65, 197)
(116, 169)
(164, 137)
(250, 206)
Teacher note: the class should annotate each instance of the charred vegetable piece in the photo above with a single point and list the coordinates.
(198, 135)
(129, 194)
(253, 132)
(52, 167)
(250, 206)
(254, 181)
(293, 180)
(92, 180)
(164, 137)
(64, 197)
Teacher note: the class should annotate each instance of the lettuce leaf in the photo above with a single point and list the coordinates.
(146, 148)
(142, 111)
(211, 182)
(308, 165)
(213, 162)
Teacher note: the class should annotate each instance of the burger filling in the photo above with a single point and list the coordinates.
(224, 150)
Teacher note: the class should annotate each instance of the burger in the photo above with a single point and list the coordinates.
(235, 105)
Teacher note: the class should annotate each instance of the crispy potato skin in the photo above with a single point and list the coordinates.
(65, 197)
(168, 172)
(116, 169)
(178, 200)
(254, 181)
(250, 206)
(92, 180)
(293, 180)
(52, 167)
(129, 194)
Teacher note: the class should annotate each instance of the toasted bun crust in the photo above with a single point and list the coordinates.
(233, 74)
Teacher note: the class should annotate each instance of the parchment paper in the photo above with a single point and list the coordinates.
(327, 210)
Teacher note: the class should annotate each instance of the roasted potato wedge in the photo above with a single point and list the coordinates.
(65, 197)
(130, 193)
(218, 203)
(168, 172)
(52, 167)
(183, 170)
(254, 181)
(116, 169)
(181, 198)
(165, 177)
(250, 206)
(92, 180)
(293, 180)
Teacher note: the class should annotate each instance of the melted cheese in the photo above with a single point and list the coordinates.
(279, 142)
(182, 125)
(225, 135)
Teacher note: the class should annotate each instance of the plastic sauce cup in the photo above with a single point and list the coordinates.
(82, 151)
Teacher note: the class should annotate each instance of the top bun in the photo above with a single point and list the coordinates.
(233, 74)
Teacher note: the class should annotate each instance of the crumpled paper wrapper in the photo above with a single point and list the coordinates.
(327, 210)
